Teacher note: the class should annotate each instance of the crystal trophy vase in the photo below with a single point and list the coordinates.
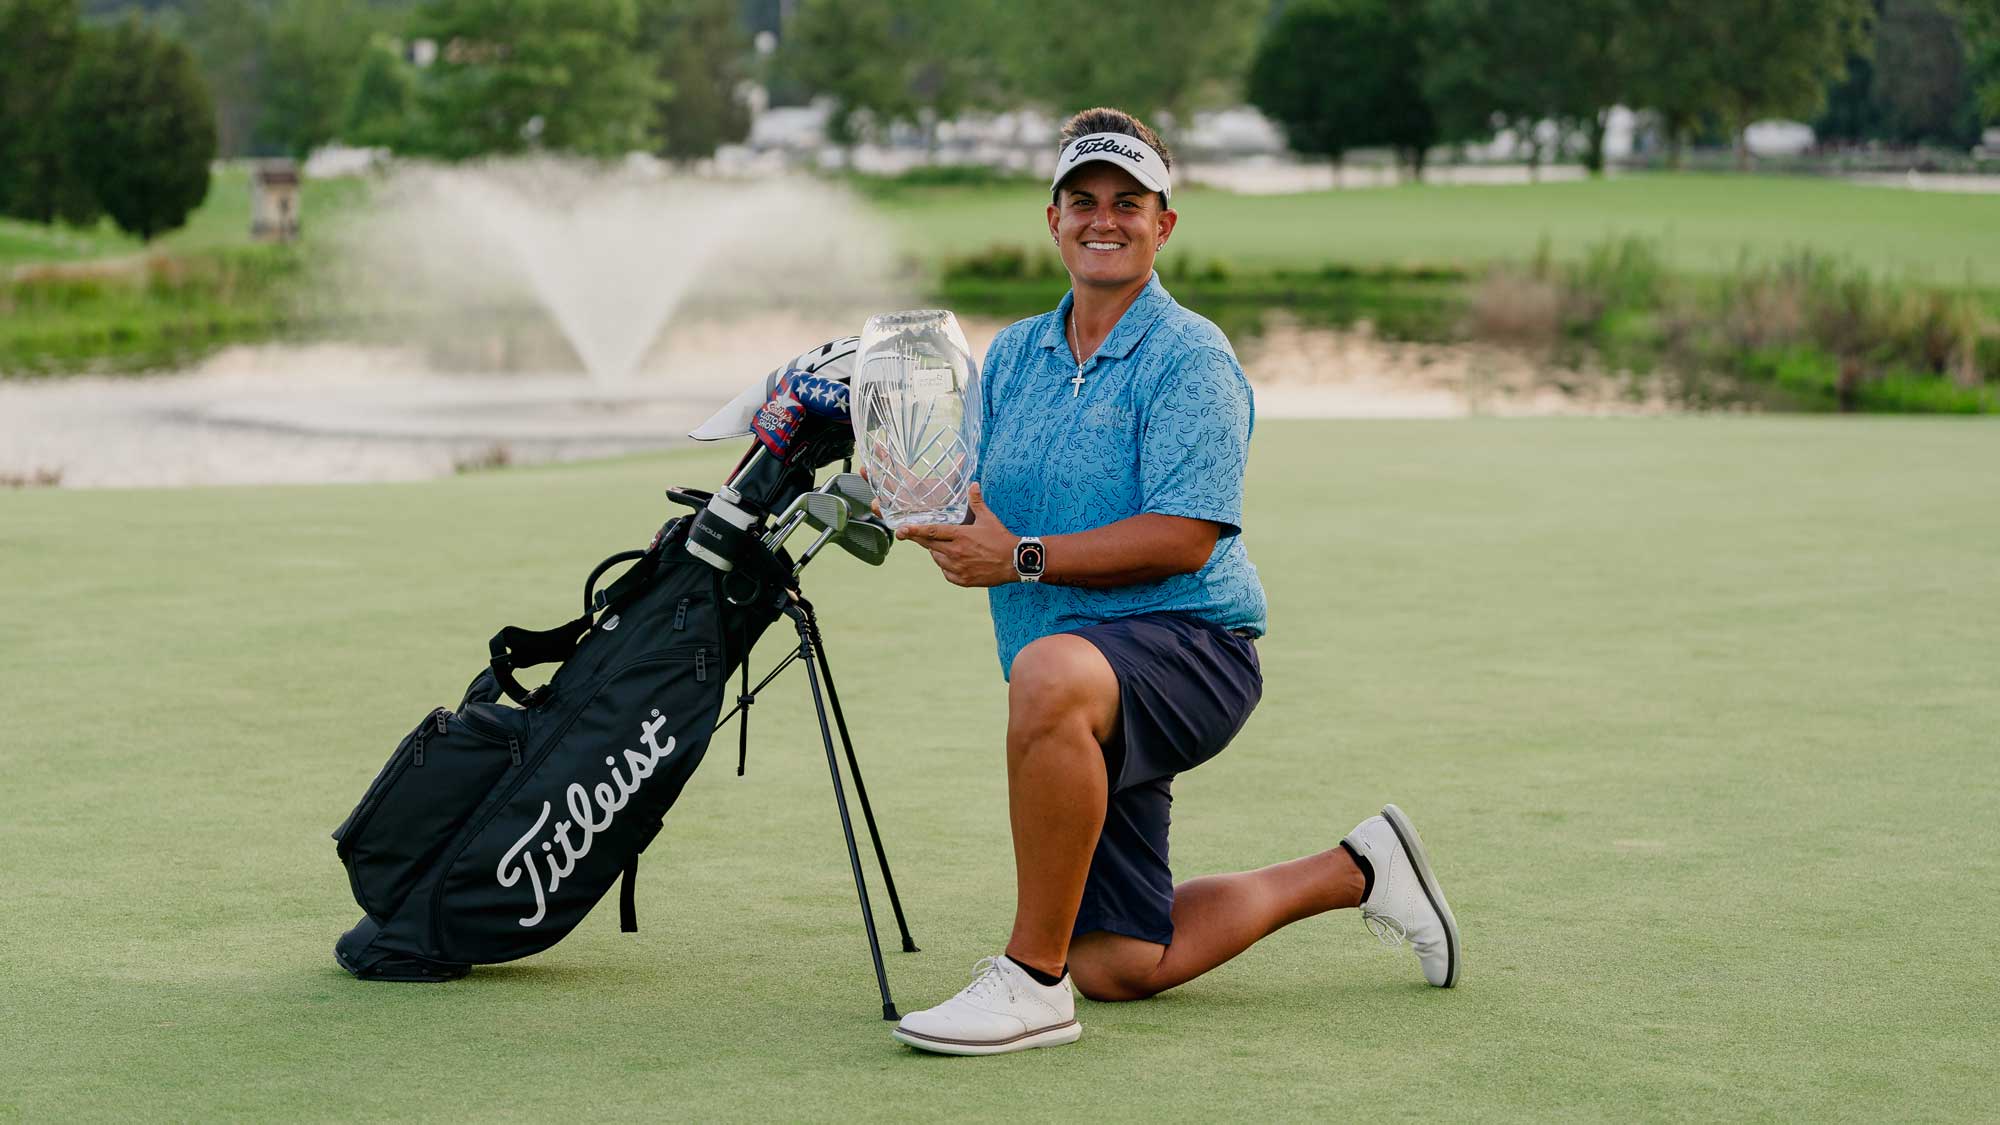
(915, 403)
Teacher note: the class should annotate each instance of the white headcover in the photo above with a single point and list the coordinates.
(832, 360)
(1127, 152)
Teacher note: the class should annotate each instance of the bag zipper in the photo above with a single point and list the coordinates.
(442, 719)
(372, 799)
(494, 734)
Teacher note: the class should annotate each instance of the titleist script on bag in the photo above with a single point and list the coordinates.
(590, 812)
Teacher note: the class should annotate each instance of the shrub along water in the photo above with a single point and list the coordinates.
(1412, 303)
(1807, 331)
(152, 311)
(1828, 334)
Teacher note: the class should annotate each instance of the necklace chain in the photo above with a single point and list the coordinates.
(1076, 349)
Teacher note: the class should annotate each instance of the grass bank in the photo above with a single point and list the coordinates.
(96, 299)
(159, 310)
(1807, 331)
(1677, 703)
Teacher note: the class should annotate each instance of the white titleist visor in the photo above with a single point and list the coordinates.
(1128, 152)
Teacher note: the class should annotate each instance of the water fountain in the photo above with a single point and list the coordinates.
(457, 258)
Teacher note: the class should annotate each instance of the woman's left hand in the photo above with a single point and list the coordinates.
(979, 552)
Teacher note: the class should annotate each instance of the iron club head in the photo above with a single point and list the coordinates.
(829, 513)
(854, 487)
(866, 537)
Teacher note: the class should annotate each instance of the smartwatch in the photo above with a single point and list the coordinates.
(1030, 559)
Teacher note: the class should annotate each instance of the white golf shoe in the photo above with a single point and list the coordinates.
(1003, 1009)
(1405, 903)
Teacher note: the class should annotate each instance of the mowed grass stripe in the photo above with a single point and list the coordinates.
(1695, 714)
(1702, 223)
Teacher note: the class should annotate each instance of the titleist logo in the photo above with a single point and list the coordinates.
(590, 812)
(1104, 144)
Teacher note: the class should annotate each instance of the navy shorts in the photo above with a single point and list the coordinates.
(1185, 687)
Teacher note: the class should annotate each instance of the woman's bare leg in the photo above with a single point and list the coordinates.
(1062, 704)
(1216, 917)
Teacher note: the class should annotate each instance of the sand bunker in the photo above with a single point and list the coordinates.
(334, 412)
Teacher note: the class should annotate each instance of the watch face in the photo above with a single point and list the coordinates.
(1028, 558)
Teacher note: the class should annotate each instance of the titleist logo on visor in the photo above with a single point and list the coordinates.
(1105, 144)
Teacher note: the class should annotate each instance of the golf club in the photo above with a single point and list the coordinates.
(856, 489)
(831, 513)
(787, 521)
(866, 538)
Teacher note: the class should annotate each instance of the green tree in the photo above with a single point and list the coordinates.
(1373, 49)
(1172, 57)
(1781, 55)
(1521, 62)
(140, 125)
(701, 50)
(1915, 86)
(38, 46)
(1921, 75)
(1852, 114)
(956, 61)
(1982, 47)
(1485, 68)
(228, 38)
(881, 62)
(1599, 45)
(563, 75)
(383, 98)
(313, 55)
(848, 50)
(1674, 47)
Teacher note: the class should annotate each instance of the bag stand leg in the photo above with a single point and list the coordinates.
(802, 617)
(860, 790)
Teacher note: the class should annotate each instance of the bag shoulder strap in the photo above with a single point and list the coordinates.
(514, 647)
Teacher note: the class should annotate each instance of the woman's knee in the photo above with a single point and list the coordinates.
(1108, 984)
(1060, 680)
(1110, 967)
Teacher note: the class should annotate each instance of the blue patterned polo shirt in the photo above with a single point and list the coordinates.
(1161, 424)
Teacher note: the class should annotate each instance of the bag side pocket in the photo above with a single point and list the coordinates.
(432, 784)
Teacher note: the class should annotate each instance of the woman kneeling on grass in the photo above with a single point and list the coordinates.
(1107, 529)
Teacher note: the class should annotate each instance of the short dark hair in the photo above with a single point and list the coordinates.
(1104, 119)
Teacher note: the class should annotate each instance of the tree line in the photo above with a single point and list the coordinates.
(96, 93)
(1409, 75)
(1415, 74)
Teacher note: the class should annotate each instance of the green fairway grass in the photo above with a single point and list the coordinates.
(1697, 716)
(1703, 223)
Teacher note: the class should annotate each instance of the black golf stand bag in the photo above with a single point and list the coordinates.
(496, 826)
